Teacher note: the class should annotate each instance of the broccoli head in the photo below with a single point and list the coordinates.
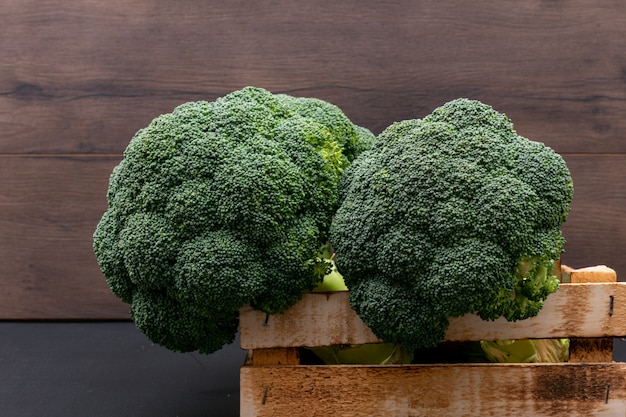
(221, 204)
(451, 214)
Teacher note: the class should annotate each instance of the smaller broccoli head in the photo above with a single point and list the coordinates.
(451, 214)
(221, 204)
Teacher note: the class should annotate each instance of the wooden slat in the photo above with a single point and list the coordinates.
(274, 356)
(589, 350)
(592, 349)
(49, 208)
(601, 273)
(77, 74)
(319, 319)
(596, 225)
(435, 390)
(575, 310)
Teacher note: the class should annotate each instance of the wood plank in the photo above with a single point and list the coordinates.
(49, 208)
(85, 69)
(575, 310)
(320, 319)
(601, 273)
(592, 349)
(434, 390)
(274, 356)
(595, 229)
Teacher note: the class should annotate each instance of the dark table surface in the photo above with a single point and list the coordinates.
(109, 369)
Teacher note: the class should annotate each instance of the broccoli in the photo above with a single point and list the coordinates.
(451, 214)
(368, 353)
(221, 204)
(526, 351)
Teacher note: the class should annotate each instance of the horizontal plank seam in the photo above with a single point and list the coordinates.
(60, 154)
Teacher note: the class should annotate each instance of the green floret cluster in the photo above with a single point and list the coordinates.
(451, 214)
(221, 204)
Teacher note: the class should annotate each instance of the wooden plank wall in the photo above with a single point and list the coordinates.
(78, 78)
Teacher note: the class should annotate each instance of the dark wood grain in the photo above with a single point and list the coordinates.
(451, 390)
(78, 79)
(596, 226)
(49, 208)
(82, 76)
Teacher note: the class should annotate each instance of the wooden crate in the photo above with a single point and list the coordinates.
(589, 308)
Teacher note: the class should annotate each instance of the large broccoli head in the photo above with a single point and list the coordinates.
(220, 204)
(447, 215)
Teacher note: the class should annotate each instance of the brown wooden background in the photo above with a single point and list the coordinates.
(78, 78)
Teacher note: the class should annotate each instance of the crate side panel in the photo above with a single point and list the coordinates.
(575, 310)
(319, 319)
(436, 390)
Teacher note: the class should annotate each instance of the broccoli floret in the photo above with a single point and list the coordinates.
(221, 204)
(451, 214)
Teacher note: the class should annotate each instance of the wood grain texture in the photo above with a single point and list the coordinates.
(595, 229)
(556, 68)
(592, 349)
(78, 79)
(278, 356)
(49, 208)
(572, 389)
(540, 390)
(575, 310)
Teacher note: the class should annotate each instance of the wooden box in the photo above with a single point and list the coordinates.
(589, 308)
